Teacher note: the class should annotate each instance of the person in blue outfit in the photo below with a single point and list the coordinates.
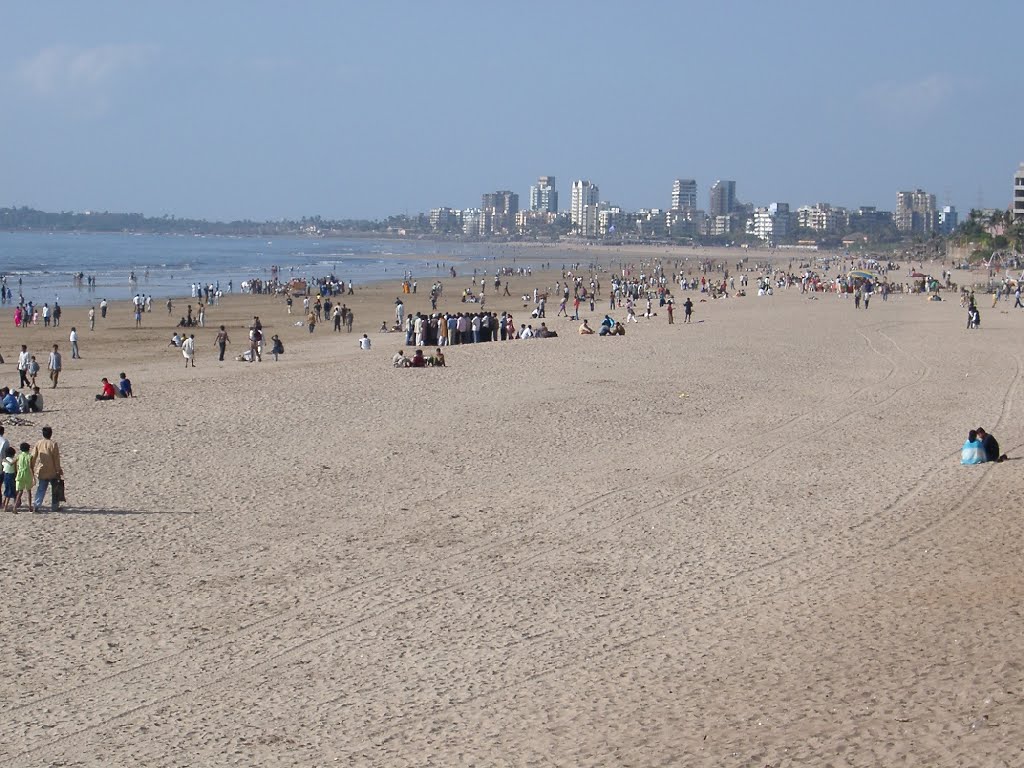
(972, 452)
(10, 401)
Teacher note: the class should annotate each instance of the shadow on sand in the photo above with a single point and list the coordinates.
(76, 510)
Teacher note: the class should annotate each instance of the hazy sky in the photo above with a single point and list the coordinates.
(269, 109)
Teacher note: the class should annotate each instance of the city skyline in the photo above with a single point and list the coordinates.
(258, 113)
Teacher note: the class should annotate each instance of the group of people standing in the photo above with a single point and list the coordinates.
(31, 466)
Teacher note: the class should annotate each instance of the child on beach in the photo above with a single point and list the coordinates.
(23, 480)
(33, 370)
(10, 468)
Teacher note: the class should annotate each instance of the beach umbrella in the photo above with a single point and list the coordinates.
(862, 274)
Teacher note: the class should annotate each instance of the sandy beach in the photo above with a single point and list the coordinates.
(746, 541)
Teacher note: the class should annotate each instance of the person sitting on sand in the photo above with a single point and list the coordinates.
(124, 386)
(108, 393)
(437, 359)
(400, 360)
(364, 342)
(33, 402)
(990, 446)
(175, 340)
(619, 330)
(418, 361)
(585, 328)
(972, 451)
(9, 402)
(384, 327)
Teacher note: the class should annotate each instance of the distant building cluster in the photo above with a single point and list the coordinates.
(916, 215)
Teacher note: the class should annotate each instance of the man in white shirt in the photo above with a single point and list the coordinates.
(24, 358)
(73, 338)
(364, 343)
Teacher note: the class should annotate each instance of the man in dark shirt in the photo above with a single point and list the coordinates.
(991, 446)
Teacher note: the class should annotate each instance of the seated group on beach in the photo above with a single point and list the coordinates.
(110, 392)
(980, 447)
(608, 327)
(436, 360)
(13, 402)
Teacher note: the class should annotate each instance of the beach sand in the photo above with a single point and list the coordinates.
(747, 541)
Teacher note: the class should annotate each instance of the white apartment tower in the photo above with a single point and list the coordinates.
(583, 210)
(684, 194)
(544, 196)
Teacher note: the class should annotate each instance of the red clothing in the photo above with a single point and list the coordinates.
(108, 390)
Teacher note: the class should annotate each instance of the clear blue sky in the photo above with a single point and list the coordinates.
(266, 109)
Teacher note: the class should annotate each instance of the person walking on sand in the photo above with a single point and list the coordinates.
(54, 365)
(222, 341)
(92, 318)
(46, 465)
(670, 309)
(73, 338)
(687, 310)
(188, 350)
(23, 360)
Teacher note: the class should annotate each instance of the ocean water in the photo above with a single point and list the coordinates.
(41, 266)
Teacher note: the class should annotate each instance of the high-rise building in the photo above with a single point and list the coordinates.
(948, 220)
(544, 196)
(684, 194)
(583, 207)
(1018, 194)
(499, 210)
(915, 212)
(723, 198)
